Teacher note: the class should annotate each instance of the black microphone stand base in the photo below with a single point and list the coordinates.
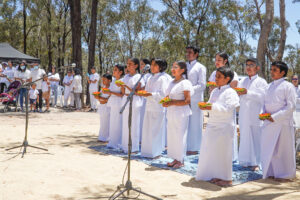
(128, 187)
(25, 145)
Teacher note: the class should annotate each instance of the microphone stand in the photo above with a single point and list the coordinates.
(128, 186)
(25, 143)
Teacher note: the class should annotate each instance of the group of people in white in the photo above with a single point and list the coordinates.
(165, 113)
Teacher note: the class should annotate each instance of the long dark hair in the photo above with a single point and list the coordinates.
(121, 68)
(146, 61)
(182, 65)
(225, 56)
(19, 68)
(136, 61)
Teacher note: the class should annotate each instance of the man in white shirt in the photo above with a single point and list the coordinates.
(68, 79)
(54, 83)
(93, 80)
(251, 105)
(197, 76)
(37, 74)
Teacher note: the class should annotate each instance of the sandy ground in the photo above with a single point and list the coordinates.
(70, 170)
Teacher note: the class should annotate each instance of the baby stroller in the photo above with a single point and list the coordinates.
(9, 97)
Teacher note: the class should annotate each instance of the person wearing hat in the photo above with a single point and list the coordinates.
(68, 79)
(93, 80)
(251, 105)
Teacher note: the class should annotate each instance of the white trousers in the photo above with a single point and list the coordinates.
(92, 99)
(152, 142)
(67, 96)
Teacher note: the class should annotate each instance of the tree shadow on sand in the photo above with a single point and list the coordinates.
(201, 185)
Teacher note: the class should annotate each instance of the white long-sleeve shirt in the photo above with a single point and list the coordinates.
(251, 104)
(280, 101)
(156, 85)
(76, 84)
(197, 76)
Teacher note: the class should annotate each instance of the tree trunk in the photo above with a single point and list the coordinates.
(92, 42)
(264, 35)
(283, 30)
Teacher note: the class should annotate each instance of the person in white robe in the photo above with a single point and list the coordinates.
(153, 132)
(278, 135)
(147, 75)
(179, 91)
(222, 60)
(197, 76)
(93, 80)
(67, 82)
(215, 157)
(115, 104)
(295, 82)
(251, 105)
(104, 110)
(130, 80)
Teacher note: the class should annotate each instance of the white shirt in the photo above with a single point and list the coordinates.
(224, 101)
(33, 93)
(212, 77)
(197, 76)
(176, 91)
(252, 102)
(76, 84)
(9, 72)
(45, 86)
(113, 99)
(93, 77)
(157, 85)
(23, 75)
(68, 80)
(280, 101)
(130, 81)
(38, 74)
(56, 77)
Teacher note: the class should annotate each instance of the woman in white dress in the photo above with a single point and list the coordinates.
(130, 80)
(153, 126)
(104, 110)
(115, 104)
(215, 156)
(179, 91)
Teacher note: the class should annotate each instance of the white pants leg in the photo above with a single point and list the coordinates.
(104, 113)
(93, 100)
(115, 127)
(67, 95)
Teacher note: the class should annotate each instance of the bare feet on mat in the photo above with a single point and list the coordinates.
(271, 177)
(223, 183)
(214, 180)
(192, 152)
(178, 165)
(171, 164)
(282, 180)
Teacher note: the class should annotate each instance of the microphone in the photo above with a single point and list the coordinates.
(146, 68)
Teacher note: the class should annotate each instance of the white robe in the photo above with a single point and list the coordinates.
(115, 122)
(216, 148)
(93, 87)
(178, 120)
(277, 138)
(169, 78)
(104, 112)
(251, 105)
(197, 76)
(153, 132)
(68, 89)
(137, 103)
(145, 79)
(297, 111)
(212, 78)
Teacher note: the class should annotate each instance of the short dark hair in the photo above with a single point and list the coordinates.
(77, 71)
(162, 64)
(227, 72)
(108, 76)
(282, 66)
(93, 67)
(182, 65)
(252, 59)
(194, 48)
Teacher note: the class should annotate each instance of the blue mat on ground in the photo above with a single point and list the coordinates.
(239, 174)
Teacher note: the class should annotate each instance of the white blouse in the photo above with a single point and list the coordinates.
(113, 99)
(130, 81)
(157, 85)
(176, 91)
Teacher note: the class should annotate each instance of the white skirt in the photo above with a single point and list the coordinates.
(115, 127)
(104, 113)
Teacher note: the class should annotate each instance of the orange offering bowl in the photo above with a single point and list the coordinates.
(165, 100)
(210, 83)
(105, 89)
(97, 94)
(120, 82)
(264, 116)
(142, 92)
(204, 104)
(239, 89)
